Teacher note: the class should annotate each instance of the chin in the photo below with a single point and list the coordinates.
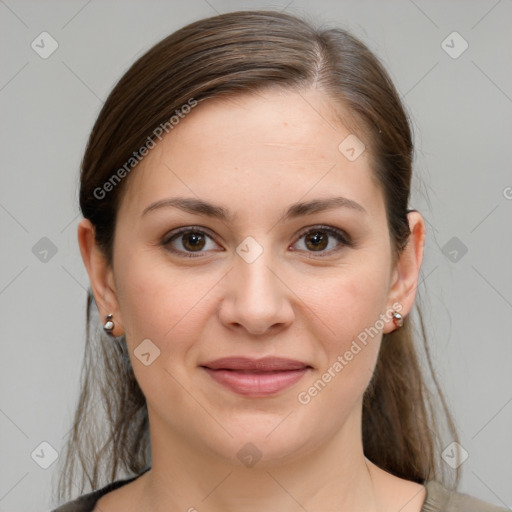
(261, 447)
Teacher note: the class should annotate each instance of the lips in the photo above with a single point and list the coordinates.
(265, 364)
(256, 377)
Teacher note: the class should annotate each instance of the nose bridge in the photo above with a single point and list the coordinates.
(257, 297)
(255, 281)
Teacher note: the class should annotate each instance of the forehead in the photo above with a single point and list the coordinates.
(254, 148)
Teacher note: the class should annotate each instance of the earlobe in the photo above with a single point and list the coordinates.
(100, 273)
(407, 270)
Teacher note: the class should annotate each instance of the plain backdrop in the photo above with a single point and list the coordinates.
(460, 103)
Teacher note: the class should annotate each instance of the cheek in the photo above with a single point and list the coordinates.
(152, 296)
(350, 299)
(164, 306)
(351, 324)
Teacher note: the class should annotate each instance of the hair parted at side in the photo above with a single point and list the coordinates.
(231, 54)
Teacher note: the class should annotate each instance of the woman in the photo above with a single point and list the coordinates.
(254, 263)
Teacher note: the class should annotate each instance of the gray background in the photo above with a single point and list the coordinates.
(461, 111)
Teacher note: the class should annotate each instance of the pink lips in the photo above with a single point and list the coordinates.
(256, 377)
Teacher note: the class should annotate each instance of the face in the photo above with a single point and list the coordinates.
(258, 282)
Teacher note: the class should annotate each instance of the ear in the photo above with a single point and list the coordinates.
(101, 275)
(406, 273)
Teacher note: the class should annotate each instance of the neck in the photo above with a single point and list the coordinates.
(333, 475)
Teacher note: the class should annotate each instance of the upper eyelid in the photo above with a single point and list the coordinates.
(187, 229)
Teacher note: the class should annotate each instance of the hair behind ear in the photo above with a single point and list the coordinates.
(402, 417)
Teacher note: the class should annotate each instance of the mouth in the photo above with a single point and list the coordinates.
(256, 377)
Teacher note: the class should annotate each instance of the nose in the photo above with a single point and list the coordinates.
(257, 297)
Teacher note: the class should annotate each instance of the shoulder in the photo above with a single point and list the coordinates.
(441, 499)
(87, 502)
(84, 503)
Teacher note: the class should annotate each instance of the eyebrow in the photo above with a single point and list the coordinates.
(200, 207)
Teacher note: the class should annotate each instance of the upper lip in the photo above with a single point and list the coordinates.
(263, 364)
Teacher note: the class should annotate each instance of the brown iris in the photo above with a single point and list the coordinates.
(317, 239)
(193, 240)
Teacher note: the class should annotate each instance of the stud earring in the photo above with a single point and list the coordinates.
(398, 319)
(109, 325)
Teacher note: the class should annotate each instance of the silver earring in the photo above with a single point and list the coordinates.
(398, 319)
(108, 326)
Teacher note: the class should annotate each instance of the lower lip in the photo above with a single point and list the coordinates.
(256, 384)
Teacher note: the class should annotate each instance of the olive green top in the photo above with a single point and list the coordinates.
(438, 499)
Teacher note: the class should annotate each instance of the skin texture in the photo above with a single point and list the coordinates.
(255, 155)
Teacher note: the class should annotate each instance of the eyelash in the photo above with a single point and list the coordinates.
(339, 235)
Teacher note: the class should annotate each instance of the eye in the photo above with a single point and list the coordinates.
(189, 240)
(319, 239)
(323, 239)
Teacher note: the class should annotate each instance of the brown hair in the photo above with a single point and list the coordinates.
(230, 54)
